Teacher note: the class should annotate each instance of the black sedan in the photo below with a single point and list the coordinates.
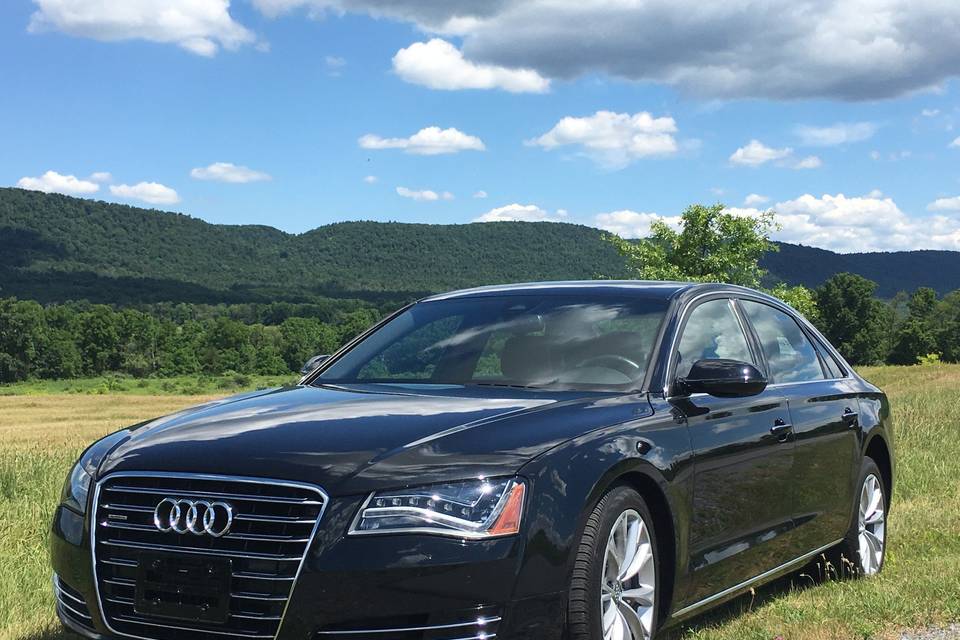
(577, 460)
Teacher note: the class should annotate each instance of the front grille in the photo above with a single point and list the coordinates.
(71, 604)
(273, 525)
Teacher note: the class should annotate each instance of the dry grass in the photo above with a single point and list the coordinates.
(41, 435)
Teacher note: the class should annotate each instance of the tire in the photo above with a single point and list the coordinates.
(858, 555)
(639, 589)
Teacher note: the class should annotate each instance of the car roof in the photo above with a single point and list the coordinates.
(645, 288)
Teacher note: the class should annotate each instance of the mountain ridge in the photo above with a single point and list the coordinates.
(55, 247)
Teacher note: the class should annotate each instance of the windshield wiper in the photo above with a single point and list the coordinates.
(509, 385)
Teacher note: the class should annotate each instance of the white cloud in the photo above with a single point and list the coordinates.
(875, 193)
(955, 143)
(755, 153)
(875, 155)
(632, 224)
(152, 192)
(334, 65)
(781, 49)
(370, 179)
(228, 172)
(101, 176)
(53, 182)
(437, 64)
(480, 194)
(945, 204)
(427, 142)
(614, 139)
(755, 199)
(930, 113)
(853, 224)
(836, 222)
(840, 133)
(520, 213)
(810, 162)
(199, 26)
(424, 194)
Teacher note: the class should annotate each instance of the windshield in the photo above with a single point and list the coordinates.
(537, 341)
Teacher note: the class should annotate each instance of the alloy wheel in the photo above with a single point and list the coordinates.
(628, 583)
(872, 525)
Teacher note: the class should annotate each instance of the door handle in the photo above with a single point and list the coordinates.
(781, 429)
(850, 417)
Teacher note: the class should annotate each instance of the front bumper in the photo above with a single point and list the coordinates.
(390, 587)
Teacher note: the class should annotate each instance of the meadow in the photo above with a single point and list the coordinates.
(44, 426)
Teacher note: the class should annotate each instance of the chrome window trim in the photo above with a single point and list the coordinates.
(751, 581)
(805, 325)
(691, 304)
(199, 476)
(746, 294)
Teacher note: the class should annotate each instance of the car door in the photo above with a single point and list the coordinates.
(824, 412)
(740, 506)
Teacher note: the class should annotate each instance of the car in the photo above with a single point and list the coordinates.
(577, 460)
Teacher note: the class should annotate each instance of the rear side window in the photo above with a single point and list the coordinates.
(712, 331)
(790, 355)
(834, 370)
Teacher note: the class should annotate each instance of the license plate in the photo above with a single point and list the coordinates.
(194, 588)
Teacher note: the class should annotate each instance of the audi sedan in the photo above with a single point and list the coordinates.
(577, 460)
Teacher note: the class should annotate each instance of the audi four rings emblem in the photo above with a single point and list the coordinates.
(198, 517)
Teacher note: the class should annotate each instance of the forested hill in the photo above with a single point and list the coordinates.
(55, 247)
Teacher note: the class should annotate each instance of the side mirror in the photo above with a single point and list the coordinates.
(312, 364)
(724, 379)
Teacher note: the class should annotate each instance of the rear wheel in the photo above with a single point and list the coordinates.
(614, 588)
(863, 550)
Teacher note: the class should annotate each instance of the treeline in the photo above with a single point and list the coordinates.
(169, 339)
(909, 329)
(81, 339)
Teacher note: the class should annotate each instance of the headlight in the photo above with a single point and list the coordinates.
(475, 509)
(76, 489)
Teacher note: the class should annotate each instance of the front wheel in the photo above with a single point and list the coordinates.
(613, 591)
(864, 548)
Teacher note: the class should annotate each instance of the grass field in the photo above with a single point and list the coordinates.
(42, 433)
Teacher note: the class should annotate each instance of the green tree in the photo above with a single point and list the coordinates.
(99, 340)
(946, 325)
(23, 335)
(303, 338)
(916, 337)
(356, 322)
(800, 298)
(855, 322)
(711, 246)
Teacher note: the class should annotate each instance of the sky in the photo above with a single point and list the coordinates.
(841, 115)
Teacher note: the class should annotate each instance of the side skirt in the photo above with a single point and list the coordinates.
(736, 590)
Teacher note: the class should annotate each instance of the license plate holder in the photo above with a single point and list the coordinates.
(184, 587)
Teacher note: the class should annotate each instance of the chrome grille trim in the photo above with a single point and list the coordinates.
(71, 607)
(476, 627)
(136, 619)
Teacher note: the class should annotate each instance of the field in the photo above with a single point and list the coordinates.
(43, 429)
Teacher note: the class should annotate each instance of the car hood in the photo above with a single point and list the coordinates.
(353, 439)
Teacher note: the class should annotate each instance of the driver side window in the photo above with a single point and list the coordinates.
(712, 331)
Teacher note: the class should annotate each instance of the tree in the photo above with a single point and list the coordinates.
(23, 335)
(304, 338)
(916, 338)
(946, 323)
(855, 322)
(800, 298)
(712, 246)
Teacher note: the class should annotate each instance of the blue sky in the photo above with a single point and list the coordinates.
(312, 105)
